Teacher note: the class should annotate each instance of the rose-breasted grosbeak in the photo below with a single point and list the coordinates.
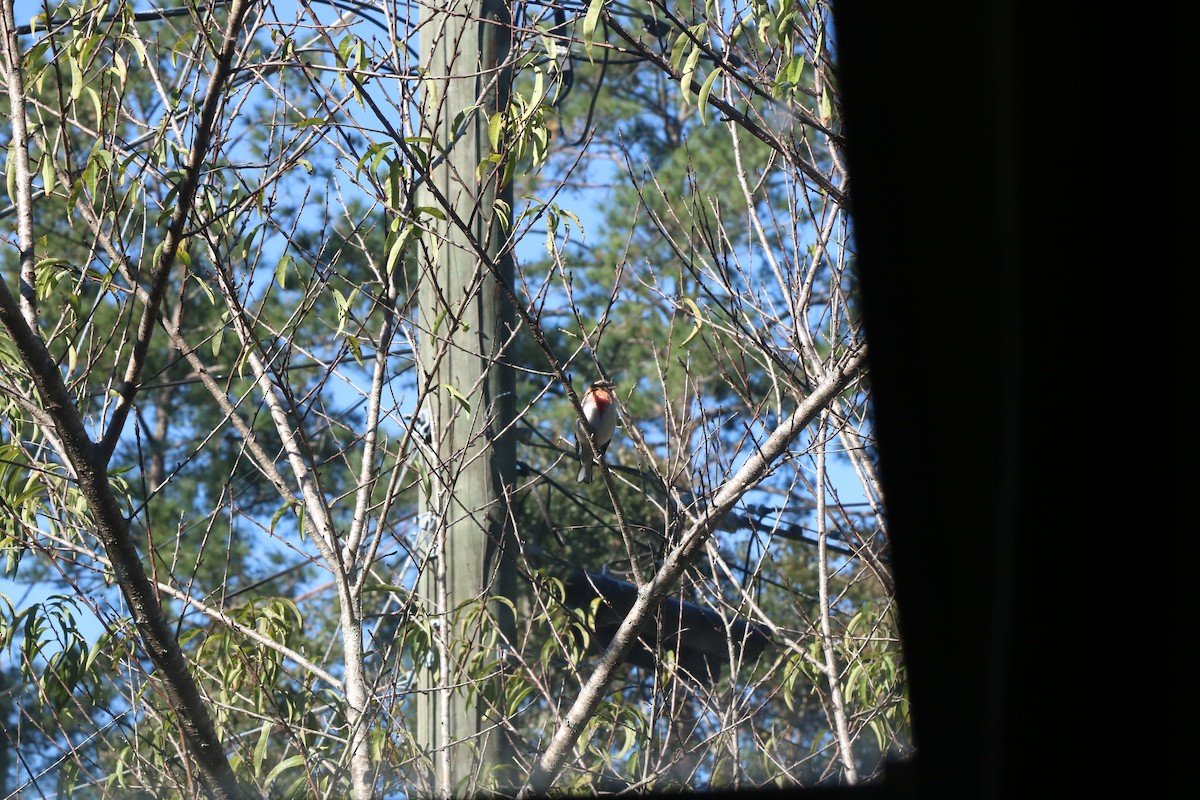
(601, 414)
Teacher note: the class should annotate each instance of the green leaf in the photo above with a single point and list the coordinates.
(119, 68)
(460, 397)
(281, 270)
(697, 321)
(141, 48)
(495, 128)
(94, 96)
(685, 77)
(103, 645)
(461, 116)
(628, 739)
(48, 175)
(590, 21)
(398, 247)
(343, 309)
(190, 634)
(794, 71)
(678, 49)
(702, 99)
(260, 749)
(432, 211)
(395, 174)
(374, 154)
(283, 766)
(76, 77)
(539, 90)
(518, 697)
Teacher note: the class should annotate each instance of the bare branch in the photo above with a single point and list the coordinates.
(185, 196)
(89, 465)
(20, 177)
(651, 596)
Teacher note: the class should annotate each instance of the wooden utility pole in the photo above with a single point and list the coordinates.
(465, 325)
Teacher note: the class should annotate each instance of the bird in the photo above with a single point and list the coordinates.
(600, 413)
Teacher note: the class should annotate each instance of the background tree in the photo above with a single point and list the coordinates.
(215, 394)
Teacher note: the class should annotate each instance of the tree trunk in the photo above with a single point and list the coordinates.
(466, 325)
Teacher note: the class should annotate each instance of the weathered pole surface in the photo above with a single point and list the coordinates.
(465, 324)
